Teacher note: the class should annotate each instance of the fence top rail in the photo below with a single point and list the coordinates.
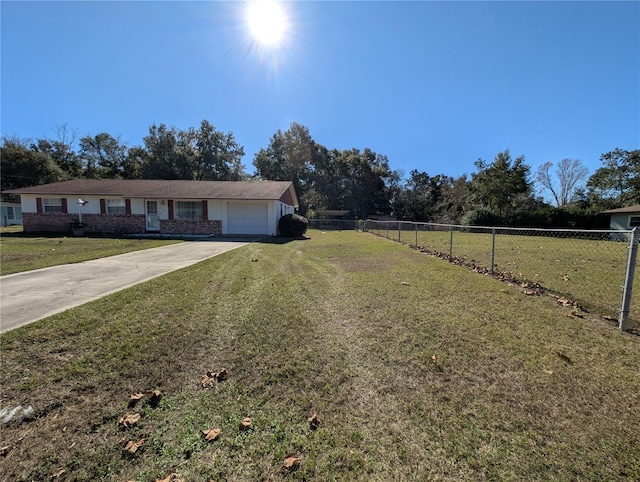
(550, 230)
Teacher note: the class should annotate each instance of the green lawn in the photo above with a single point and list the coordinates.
(19, 252)
(345, 325)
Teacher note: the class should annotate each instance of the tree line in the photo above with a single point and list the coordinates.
(503, 191)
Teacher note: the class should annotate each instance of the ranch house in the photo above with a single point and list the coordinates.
(158, 206)
(624, 218)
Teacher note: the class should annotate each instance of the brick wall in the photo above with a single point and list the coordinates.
(49, 222)
(177, 226)
(96, 223)
(114, 223)
(118, 223)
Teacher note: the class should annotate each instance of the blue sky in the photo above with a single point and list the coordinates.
(432, 85)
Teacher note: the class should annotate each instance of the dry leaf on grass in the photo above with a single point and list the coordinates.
(290, 463)
(155, 395)
(211, 435)
(434, 358)
(210, 378)
(245, 424)
(4, 450)
(207, 380)
(170, 478)
(314, 421)
(549, 372)
(129, 419)
(132, 447)
(135, 398)
(58, 473)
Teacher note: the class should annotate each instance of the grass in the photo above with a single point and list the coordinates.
(344, 324)
(20, 252)
(590, 272)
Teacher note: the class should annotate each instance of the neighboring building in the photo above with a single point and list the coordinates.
(10, 213)
(158, 206)
(624, 218)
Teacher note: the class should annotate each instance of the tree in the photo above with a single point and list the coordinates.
(617, 183)
(61, 150)
(203, 154)
(103, 156)
(502, 188)
(22, 166)
(367, 182)
(570, 175)
(290, 157)
(218, 157)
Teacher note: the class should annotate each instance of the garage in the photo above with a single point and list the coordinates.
(248, 218)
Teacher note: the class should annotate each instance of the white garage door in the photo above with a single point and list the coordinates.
(248, 218)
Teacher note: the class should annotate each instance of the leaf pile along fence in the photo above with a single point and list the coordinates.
(594, 268)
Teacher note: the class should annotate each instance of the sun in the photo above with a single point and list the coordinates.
(267, 21)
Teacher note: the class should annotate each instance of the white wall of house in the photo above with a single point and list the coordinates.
(28, 203)
(10, 213)
(624, 220)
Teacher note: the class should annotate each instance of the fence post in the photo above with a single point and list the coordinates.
(450, 241)
(399, 229)
(628, 280)
(493, 248)
(416, 234)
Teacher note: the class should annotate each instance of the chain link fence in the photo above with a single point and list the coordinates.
(590, 270)
(345, 224)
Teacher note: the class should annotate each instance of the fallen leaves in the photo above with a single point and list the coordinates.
(314, 421)
(154, 397)
(290, 463)
(211, 435)
(171, 478)
(132, 447)
(210, 378)
(4, 450)
(135, 398)
(245, 424)
(128, 420)
(58, 473)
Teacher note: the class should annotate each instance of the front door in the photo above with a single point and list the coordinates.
(153, 223)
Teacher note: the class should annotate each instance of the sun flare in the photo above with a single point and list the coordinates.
(267, 21)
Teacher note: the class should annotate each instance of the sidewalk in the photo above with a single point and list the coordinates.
(32, 295)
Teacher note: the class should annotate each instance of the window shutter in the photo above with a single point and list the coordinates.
(205, 210)
(170, 206)
(39, 205)
(127, 207)
(103, 206)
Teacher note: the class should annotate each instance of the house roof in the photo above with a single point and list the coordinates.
(629, 209)
(164, 189)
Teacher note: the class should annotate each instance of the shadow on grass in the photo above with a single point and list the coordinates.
(280, 239)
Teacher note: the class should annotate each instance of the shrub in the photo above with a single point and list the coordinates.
(292, 225)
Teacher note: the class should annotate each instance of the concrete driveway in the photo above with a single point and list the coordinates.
(33, 295)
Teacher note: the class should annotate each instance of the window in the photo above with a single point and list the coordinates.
(188, 210)
(634, 221)
(52, 205)
(116, 206)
